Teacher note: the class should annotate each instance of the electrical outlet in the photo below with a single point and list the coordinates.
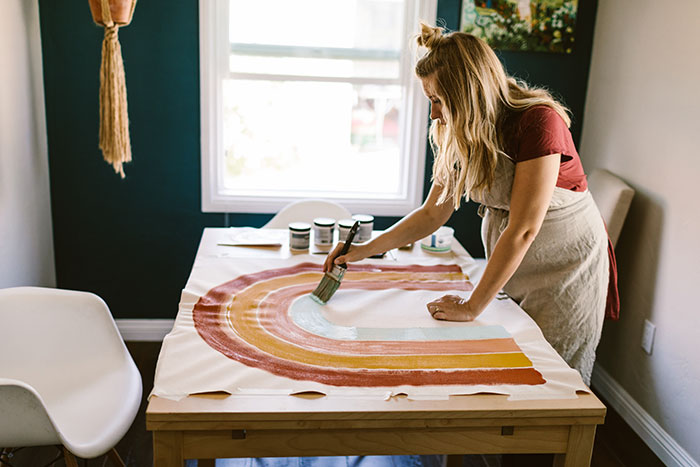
(648, 336)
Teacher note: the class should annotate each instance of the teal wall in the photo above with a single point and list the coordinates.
(133, 241)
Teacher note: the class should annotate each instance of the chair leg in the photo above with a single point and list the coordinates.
(114, 457)
(5, 456)
(69, 458)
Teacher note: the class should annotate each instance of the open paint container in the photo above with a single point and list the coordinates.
(439, 241)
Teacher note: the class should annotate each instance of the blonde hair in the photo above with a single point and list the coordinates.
(476, 96)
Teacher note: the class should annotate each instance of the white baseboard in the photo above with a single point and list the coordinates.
(658, 440)
(144, 330)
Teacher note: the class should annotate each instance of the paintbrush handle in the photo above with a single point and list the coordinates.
(349, 238)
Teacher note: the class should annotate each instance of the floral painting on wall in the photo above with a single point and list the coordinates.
(529, 25)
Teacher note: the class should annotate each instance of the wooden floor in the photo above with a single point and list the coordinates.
(616, 444)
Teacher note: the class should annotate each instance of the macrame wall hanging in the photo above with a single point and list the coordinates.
(114, 118)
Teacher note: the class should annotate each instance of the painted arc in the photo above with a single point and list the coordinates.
(244, 319)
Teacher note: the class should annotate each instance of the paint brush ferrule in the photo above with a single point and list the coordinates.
(337, 272)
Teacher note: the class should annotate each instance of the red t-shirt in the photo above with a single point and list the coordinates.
(540, 131)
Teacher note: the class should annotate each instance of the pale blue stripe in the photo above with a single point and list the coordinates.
(307, 315)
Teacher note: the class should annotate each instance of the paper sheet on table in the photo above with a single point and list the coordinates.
(195, 360)
(249, 236)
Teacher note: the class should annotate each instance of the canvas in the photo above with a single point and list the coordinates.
(248, 326)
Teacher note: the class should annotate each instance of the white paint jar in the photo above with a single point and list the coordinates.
(299, 235)
(344, 226)
(364, 232)
(323, 230)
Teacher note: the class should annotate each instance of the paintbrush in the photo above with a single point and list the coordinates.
(331, 279)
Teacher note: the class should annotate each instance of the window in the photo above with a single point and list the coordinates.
(311, 99)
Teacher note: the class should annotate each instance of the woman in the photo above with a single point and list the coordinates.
(508, 147)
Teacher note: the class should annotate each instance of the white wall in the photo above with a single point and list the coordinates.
(642, 122)
(26, 245)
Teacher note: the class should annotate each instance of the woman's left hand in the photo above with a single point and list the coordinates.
(452, 308)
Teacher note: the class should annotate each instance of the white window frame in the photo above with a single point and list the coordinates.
(214, 61)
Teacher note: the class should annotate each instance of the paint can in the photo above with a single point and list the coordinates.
(323, 230)
(299, 235)
(364, 233)
(344, 226)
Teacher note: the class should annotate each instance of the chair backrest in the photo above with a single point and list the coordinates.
(613, 197)
(25, 421)
(43, 330)
(306, 210)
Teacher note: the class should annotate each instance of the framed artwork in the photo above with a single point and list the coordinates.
(527, 25)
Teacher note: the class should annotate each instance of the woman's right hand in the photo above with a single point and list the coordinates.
(355, 253)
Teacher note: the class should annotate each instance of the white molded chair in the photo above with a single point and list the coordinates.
(66, 377)
(613, 197)
(306, 210)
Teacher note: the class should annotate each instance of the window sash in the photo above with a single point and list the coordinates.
(215, 50)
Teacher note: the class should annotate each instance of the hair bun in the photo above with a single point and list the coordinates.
(429, 37)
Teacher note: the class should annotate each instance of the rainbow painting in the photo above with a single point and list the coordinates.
(266, 320)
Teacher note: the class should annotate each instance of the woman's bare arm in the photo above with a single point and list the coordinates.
(533, 186)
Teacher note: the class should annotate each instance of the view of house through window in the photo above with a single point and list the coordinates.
(316, 101)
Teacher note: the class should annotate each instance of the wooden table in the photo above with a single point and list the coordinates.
(212, 426)
(222, 426)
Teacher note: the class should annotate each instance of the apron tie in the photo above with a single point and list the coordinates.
(504, 213)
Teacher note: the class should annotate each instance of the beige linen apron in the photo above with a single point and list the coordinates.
(562, 281)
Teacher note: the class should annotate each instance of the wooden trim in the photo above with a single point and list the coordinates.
(370, 424)
(666, 448)
(266, 443)
(144, 330)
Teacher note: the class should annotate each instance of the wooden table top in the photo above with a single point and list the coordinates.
(312, 408)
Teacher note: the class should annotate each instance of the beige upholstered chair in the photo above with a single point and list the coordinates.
(613, 197)
(306, 210)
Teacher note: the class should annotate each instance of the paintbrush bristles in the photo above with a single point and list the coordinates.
(331, 279)
(328, 285)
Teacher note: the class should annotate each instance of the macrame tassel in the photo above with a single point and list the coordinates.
(114, 117)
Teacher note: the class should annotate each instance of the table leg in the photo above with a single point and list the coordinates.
(167, 449)
(454, 460)
(579, 448)
(206, 462)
